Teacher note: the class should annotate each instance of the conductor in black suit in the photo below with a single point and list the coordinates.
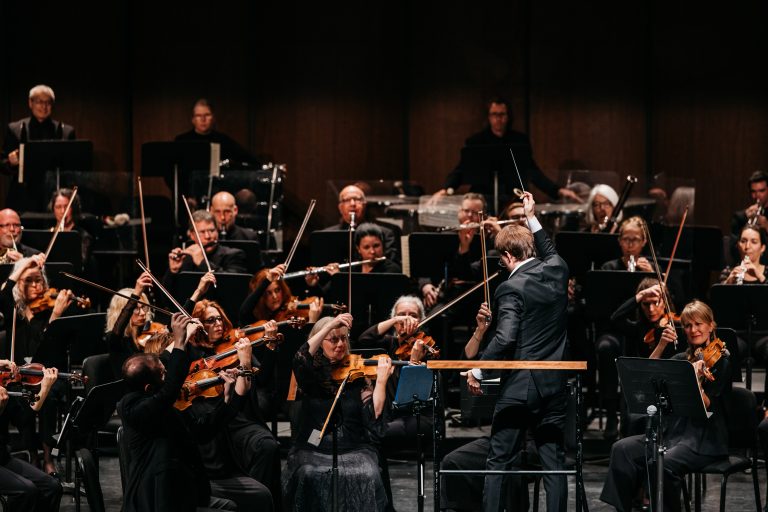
(531, 315)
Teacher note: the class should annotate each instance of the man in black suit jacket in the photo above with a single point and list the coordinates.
(39, 126)
(224, 210)
(531, 311)
(164, 467)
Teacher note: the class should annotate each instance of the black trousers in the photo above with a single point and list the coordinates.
(246, 492)
(545, 416)
(257, 454)
(628, 470)
(28, 488)
(608, 348)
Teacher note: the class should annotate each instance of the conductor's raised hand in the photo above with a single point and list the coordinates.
(472, 383)
(529, 205)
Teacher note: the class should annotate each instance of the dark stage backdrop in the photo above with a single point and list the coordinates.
(391, 89)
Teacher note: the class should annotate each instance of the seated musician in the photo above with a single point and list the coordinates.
(755, 213)
(24, 295)
(165, 470)
(361, 411)
(222, 259)
(129, 325)
(691, 444)
(271, 299)
(58, 205)
(23, 484)
(244, 459)
(750, 270)
(10, 238)
(224, 210)
(632, 241)
(369, 244)
(602, 200)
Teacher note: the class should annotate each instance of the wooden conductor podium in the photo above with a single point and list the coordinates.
(439, 421)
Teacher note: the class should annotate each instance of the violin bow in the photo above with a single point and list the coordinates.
(662, 282)
(197, 236)
(437, 313)
(674, 248)
(13, 336)
(113, 292)
(300, 233)
(349, 260)
(143, 223)
(484, 262)
(162, 289)
(60, 225)
(315, 438)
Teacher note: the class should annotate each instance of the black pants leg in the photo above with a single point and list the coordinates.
(28, 488)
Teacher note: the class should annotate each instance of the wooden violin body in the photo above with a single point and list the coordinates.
(300, 309)
(204, 384)
(403, 352)
(150, 329)
(355, 366)
(226, 354)
(651, 337)
(32, 374)
(48, 301)
(711, 354)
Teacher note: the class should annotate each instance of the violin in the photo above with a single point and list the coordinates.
(255, 330)
(354, 366)
(48, 299)
(296, 308)
(651, 336)
(226, 354)
(32, 374)
(710, 354)
(206, 384)
(403, 352)
(149, 330)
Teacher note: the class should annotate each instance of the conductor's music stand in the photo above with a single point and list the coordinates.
(414, 386)
(586, 251)
(668, 385)
(742, 307)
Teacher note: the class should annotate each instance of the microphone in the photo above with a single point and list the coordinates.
(651, 412)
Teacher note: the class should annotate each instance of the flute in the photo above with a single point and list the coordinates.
(318, 270)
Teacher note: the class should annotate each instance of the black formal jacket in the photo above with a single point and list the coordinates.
(391, 243)
(236, 232)
(165, 471)
(488, 153)
(531, 311)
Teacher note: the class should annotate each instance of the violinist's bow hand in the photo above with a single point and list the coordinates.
(472, 383)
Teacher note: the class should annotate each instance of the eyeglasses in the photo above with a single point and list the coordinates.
(630, 240)
(11, 225)
(353, 199)
(344, 338)
(209, 231)
(212, 320)
(601, 204)
(46, 103)
(141, 308)
(32, 281)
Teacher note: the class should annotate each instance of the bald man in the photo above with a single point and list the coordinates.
(224, 211)
(352, 199)
(10, 234)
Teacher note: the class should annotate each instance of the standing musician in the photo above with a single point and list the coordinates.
(691, 444)
(632, 241)
(26, 287)
(10, 238)
(165, 470)
(531, 315)
(358, 417)
(24, 485)
(245, 446)
(602, 200)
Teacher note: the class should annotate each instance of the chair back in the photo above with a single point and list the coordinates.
(741, 420)
(98, 370)
(123, 456)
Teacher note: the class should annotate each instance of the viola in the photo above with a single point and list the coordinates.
(403, 352)
(651, 336)
(296, 308)
(149, 330)
(355, 366)
(205, 384)
(226, 354)
(48, 299)
(710, 354)
(32, 374)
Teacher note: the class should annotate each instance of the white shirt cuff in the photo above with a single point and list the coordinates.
(534, 224)
(477, 373)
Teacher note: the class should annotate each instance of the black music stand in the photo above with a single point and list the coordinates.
(85, 416)
(668, 385)
(604, 290)
(83, 333)
(431, 253)
(742, 308)
(41, 156)
(52, 270)
(586, 251)
(230, 292)
(329, 246)
(68, 246)
(252, 250)
(373, 296)
(414, 387)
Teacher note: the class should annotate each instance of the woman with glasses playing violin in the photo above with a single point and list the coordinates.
(26, 287)
(360, 412)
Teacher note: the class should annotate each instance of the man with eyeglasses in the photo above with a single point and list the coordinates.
(10, 237)
(488, 151)
(38, 126)
(352, 200)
